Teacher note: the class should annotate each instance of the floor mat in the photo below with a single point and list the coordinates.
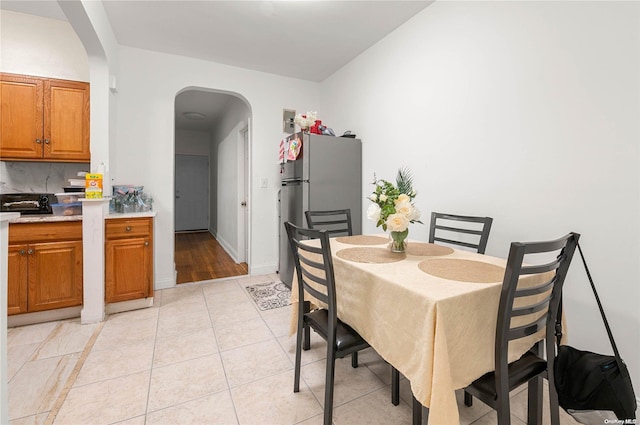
(270, 295)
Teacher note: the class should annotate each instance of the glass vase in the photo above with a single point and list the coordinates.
(399, 241)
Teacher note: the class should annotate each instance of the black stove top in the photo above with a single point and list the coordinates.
(27, 203)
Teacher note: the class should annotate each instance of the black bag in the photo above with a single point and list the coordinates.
(590, 381)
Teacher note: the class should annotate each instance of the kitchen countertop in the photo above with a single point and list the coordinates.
(130, 215)
(50, 218)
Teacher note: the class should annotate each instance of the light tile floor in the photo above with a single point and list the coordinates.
(204, 354)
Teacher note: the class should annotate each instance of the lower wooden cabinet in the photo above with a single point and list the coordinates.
(44, 266)
(128, 259)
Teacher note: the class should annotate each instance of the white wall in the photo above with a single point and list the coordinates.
(43, 47)
(524, 111)
(189, 142)
(144, 140)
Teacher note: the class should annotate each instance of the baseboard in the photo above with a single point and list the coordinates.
(119, 307)
(232, 252)
(43, 316)
(263, 269)
(166, 283)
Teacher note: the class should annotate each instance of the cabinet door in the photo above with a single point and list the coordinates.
(21, 117)
(17, 279)
(55, 275)
(129, 270)
(66, 123)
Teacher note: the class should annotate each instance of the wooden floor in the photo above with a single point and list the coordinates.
(199, 257)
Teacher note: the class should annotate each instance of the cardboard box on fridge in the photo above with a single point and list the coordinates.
(93, 186)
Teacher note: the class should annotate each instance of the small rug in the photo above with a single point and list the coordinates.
(270, 295)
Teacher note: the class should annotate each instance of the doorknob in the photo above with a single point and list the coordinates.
(243, 203)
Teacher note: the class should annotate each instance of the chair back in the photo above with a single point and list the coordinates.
(447, 226)
(314, 266)
(335, 222)
(531, 293)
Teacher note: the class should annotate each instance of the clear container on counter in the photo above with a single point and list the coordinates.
(130, 199)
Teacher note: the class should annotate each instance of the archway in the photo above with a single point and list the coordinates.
(212, 139)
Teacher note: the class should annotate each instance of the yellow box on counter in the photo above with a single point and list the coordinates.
(93, 186)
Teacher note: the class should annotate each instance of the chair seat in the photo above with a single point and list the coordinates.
(347, 340)
(520, 371)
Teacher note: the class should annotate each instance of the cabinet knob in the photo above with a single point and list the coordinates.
(30, 251)
(46, 141)
(128, 228)
(22, 252)
(146, 243)
(38, 141)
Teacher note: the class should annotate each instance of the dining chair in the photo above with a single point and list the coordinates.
(338, 222)
(335, 222)
(314, 268)
(447, 226)
(525, 310)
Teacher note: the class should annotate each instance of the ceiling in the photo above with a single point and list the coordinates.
(303, 39)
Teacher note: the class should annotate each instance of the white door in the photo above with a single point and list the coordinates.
(192, 192)
(243, 192)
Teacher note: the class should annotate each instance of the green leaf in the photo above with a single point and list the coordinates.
(404, 181)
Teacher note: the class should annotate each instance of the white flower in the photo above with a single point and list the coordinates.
(397, 222)
(307, 120)
(404, 208)
(402, 198)
(373, 197)
(373, 213)
(415, 216)
(383, 198)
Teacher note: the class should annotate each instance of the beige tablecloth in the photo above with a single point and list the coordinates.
(437, 332)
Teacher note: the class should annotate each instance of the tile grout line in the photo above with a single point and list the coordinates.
(153, 357)
(224, 369)
(73, 376)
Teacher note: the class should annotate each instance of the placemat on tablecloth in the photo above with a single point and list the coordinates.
(463, 270)
(363, 240)
(370, 255)
(427, 249)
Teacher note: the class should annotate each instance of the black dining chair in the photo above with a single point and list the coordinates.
(467, 231)
(314, 268)
(338, 222)
(335, 222)
(525, 310)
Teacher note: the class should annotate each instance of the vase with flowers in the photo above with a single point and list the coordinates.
(393, 208)
(305, 121)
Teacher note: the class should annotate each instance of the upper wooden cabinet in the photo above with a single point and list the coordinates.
(43, 119)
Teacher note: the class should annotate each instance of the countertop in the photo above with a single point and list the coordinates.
(9, 216)
(50, 218)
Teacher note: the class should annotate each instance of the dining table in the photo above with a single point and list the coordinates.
(430, 312)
